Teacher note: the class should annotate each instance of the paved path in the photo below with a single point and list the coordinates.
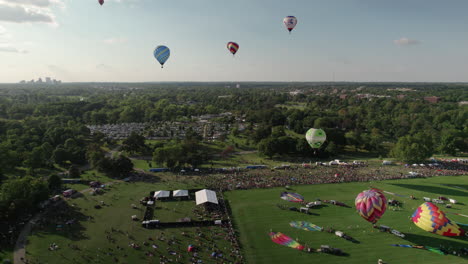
(19, 254)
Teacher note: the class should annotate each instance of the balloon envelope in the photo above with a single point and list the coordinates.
(316, 137)
(430, 218)
(290, 22)
(291, 197)
(162, 53)
(233, 47)
(371, 204)
(101, 2)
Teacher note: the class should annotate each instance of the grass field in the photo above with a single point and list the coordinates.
(89, 234)
(255, 214)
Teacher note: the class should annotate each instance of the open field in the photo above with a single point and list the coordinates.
(103, 235)
(255, 214)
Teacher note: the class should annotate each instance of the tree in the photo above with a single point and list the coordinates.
(413, 149)
(54, 182)
(135, 143)
(74, 171)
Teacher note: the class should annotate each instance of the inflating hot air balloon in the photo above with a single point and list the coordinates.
(233, 47)
(305, 226)
(430, 218)
(162, 53)
(291, 197)
(282, 239)
(315, 137)
(290, 22)
(371, 204)
(101, 2)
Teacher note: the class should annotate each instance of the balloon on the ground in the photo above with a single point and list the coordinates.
(430, 218)
(292, 197)
(101, 2)
(282, 239)
(233, 47)
(290, 22)
(371, 204)
(305, 226)
(162, 53)
(315, 137)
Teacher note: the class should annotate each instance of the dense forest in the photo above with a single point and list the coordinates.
(44, 129)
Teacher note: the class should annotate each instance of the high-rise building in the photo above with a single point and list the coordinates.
(39, 80)
(48, 80)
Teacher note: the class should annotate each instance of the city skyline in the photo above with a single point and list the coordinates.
(357, 41)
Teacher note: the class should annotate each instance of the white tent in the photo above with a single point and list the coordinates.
(205, 195)
(162, 194)
(179, 193)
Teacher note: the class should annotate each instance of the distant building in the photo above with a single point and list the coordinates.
(39, 80)
(237, 86)
(48, 80)
(401, 96)
(22, 81)
(463, 103)
(432, 99)
(343, 96)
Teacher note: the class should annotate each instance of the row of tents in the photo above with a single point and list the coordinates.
(201, 197)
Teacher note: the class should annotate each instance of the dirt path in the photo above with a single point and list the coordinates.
(19, 254)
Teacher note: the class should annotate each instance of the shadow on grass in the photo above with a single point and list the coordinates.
(455, 243)
(431, 189)
(62, 220)
(138, 176)
(457, 186)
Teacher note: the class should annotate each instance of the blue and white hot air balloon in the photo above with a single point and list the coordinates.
(162, 53)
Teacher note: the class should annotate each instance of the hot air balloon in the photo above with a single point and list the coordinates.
(101, 2)
(162, 53)
(315, 137)
(290, 22)
(291, 197)
(430, 218)
(233, 47)
(371, 204)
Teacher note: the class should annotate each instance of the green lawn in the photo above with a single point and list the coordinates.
(255, 214)
(6, 253)
(90, 233)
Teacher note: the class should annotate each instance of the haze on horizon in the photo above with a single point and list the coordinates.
(355, 40)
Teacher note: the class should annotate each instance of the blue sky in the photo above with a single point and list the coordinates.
(356, 40)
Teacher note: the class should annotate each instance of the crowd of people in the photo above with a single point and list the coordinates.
(266, 178)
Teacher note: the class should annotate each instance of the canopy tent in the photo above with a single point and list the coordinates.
(205, 196)
(179, 193)
(162, 194)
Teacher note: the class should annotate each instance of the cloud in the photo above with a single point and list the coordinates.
(11, 49)
(40, 3)
(406, 42)
(103, 67)
(112, 41)
(29, 11)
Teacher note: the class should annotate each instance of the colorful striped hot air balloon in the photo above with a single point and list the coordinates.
(233, 47)
(162, 53)
(430, 218)
(282, 239)
(290, 22)
(291, 197)
(371, 205)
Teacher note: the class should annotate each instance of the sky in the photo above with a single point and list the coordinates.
(341, 40)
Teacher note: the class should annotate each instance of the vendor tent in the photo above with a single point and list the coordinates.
(205, 195)
(180, 193)
(162, 194)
